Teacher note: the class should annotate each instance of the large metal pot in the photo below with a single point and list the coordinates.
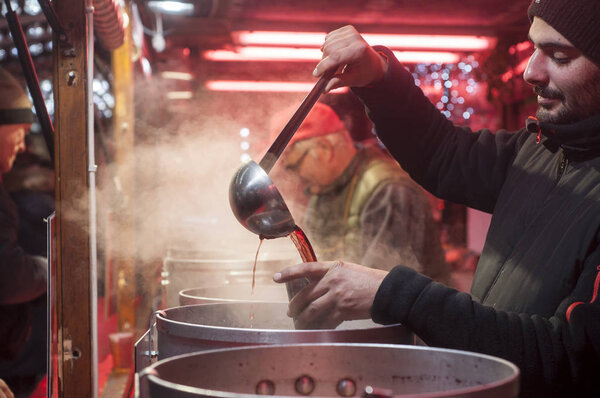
(234, 293)
(182, 330)
(195, 269)
(332, 370)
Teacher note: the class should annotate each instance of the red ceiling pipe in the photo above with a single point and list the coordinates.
(108, 24)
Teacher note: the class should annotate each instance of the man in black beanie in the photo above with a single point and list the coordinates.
(22, 276)
(535, 298)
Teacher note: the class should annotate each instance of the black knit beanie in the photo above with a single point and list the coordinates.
(15, 107)
(577, 20)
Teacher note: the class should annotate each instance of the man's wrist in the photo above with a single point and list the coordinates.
(384, 65)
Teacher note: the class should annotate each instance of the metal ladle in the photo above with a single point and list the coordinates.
(254, 198)
(256, 201)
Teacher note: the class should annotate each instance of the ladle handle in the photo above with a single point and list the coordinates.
(290, 128)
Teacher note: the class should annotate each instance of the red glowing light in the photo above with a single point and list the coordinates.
(263, 86)
(264, 54)
(517, 70)
(524, 46)
(186, 52)
(395, 41)
(314, 54)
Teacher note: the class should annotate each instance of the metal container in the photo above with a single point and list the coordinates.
(187, 329)
(334, 370)
(234, 293)
(195, 269)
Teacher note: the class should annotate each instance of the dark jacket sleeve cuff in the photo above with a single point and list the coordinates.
(396, 295)
(396, 83)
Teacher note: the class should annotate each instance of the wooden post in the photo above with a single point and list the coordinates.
(72, 207)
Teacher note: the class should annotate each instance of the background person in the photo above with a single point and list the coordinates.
(22, 276)
(534, 299)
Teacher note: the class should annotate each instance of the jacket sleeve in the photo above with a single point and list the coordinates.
(451, 162)
(557, 356)
(22, 277)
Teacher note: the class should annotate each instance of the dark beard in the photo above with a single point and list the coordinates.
(579, 108)
(563, 116)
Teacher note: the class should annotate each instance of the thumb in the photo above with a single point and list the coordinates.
(333, 83)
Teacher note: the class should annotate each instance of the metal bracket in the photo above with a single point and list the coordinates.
(70, 352)
(151, 352)
(54, 23)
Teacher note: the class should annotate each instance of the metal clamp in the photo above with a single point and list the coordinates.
(145, 351)
(151, 352)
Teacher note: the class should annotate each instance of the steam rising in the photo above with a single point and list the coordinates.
(180, 197)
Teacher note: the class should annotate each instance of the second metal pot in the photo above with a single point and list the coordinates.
(193, 328)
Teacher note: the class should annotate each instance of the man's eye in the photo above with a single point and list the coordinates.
(560, 57)
(560, 60)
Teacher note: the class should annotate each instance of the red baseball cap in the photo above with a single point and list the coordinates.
(320, 121)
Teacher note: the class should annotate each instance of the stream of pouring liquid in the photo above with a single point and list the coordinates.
(254, 268)
(294, 286)
(254, 283)
(308, 255)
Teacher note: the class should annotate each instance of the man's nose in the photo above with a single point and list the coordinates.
(535, 73)
(21, 147)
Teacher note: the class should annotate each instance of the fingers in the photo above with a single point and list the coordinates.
(335, 49)
(304, 297)
(327, 62)
(321, 314)
(357, 63)
(334, 83)
(311, 271)
(5, 391)
(345, 292)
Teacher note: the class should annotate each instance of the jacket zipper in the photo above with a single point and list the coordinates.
(562, 166)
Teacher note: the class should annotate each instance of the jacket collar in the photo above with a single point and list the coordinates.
(580, 140)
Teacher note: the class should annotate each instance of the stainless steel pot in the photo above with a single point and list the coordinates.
(332, 370)
(182, 330)
(214, 270)
(234, 293)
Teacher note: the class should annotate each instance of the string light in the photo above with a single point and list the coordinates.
(244, 144)
(447, 85)
(32, 7)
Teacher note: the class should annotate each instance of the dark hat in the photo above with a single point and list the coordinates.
(577, 20)
(15, 107)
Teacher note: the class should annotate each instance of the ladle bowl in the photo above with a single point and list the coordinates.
(257, 203)
(254, 198)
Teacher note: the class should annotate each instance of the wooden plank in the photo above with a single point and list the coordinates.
(118, 385)
(72, 206)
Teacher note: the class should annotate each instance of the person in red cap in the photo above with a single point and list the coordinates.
(22, 276)
(362, 206)
(535, 297)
